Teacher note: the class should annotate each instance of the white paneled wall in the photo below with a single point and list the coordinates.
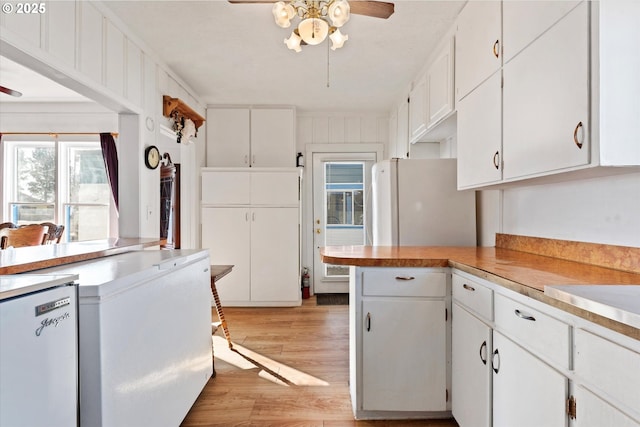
(341, 128)
(85, 47)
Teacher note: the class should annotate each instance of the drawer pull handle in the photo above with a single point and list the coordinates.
(405, 278)
(496, 49)
(524, 316)
(469, 288)
(368, 322)
(483, 352)
(496, 160)
(493, 361)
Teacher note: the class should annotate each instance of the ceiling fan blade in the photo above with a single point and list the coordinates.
(377, 9)
(10, 91)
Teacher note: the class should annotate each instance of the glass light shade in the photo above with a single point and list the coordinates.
(313, 30)
(339, 12)
(293, 42)
(338, 39)
(283, 13)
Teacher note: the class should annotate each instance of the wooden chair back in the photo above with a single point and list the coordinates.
(7, 225)
(54, 234)
(29, 235)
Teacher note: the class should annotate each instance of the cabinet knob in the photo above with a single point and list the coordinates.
(575, 135)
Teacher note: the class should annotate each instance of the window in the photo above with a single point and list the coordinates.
(63, 182)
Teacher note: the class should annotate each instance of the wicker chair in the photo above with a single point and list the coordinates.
(54, 235)
(28, 235)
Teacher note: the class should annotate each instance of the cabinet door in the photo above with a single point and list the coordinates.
(404, 361)
(546, 101)
(470, 370)
(524, 21)
(402, 140)
(480, 135)
(595, 412)
(275, 254)
(418, 112)
(477, 44)
(275, 188)
(226, 187)
(272, 138)
(440, 86)
(226, 232)
(526, 391)
(228, 137)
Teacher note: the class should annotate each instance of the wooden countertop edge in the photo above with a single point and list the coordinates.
(388, 260)
(122, 246)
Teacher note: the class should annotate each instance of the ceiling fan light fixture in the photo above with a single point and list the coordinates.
(339, 12)
(313, 30)
(293, 42)
(338, 39)
(283, 13)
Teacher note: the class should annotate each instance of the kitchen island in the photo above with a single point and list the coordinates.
(489, 333)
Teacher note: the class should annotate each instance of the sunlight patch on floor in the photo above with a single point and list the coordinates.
(270, 369)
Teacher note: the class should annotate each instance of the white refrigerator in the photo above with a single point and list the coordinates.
(416, 203)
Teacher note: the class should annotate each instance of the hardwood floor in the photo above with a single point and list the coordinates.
(289, 368)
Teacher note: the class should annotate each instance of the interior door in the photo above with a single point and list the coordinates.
(341, 206)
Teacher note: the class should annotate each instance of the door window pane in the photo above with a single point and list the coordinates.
(87, 177)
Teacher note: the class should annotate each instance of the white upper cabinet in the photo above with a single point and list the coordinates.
(431, 99)
(418, 109)
(478, 44)
(524, 21)
(546, 101)
(480, 135)
(569, 75)
(440, 85)
(228, 136)
(263, 137)
(273, 137)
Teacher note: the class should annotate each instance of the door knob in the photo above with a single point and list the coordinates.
(318, 231)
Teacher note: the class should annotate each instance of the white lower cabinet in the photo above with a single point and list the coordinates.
(262, 245)
(526, 391)
(398, 342)
(592, 411)
(470, 369)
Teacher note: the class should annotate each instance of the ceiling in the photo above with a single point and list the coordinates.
(235, 53)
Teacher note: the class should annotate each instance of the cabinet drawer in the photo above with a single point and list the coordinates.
(538, 332)
(404, 282)
(610, 367)
(474, 296)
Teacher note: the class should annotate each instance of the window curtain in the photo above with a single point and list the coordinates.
(110, 157)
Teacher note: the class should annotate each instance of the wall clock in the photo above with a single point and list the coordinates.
(152, 157)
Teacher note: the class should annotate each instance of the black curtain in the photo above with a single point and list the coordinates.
(110, 156)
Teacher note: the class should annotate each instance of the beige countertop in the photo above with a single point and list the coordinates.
(509, 264)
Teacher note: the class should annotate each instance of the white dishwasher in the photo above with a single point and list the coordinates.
(38, 350)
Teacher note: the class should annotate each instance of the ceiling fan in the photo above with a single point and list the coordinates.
(321, 18)
(376, 9)
(10, 91)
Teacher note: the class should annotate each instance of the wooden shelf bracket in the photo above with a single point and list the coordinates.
(172, 105)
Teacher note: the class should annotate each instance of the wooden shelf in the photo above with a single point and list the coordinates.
(169, 105)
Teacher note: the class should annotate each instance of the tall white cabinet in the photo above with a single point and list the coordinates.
(251, 219)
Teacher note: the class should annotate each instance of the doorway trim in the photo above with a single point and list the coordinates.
(307, 203)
